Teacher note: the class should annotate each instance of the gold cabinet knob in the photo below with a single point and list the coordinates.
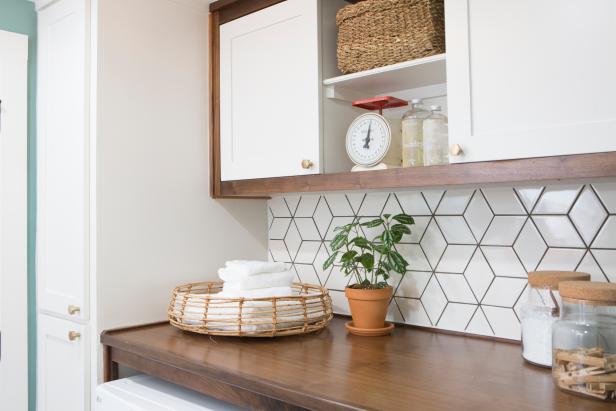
(73, 309)
(74, 335)
(455, 150)
(307, 164)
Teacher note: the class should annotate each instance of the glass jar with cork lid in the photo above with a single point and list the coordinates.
(584, 340)
(540, 311)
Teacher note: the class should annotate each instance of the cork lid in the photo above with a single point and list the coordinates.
(551, 279)
(589, 291)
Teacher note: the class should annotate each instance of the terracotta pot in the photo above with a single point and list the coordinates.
(369, 307)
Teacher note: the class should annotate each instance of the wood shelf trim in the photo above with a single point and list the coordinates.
(579, 166)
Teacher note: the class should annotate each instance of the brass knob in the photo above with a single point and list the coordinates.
(455, 150)
(307, 164)
(74, 335)
(73, 309)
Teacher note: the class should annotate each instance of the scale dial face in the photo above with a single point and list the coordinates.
(368, 139)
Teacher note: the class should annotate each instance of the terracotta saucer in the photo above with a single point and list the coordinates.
(369, 332)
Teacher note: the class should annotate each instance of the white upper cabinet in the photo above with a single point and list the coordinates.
(62, 227)
(270, 92)
(530, 78)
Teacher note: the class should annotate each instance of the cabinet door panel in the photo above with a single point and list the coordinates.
(531, 78)
(269, 92)
(62, 367)
(62, 246)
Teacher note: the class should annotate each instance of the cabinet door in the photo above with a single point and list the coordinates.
(269, 92)
(62, 365)
(62, 227)
(530, 78)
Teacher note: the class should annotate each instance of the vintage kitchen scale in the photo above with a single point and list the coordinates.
(371, 141)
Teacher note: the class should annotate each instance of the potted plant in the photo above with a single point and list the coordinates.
(370, 262)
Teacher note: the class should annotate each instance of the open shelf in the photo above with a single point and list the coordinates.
(580, 166)
(412, 74)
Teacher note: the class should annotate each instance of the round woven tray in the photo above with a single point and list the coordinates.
(195, 307)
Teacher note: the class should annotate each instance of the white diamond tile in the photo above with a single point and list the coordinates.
(322, 217)
(607, 261)
(589, 265)
(417, 230)
(413, 312)
(279, 207)
(557, 199)
(307, 205)
(339, 205)
(504, 292)
(355, 199)
(279, 251)
(503, 230)
(607, 236)
(456, 289)
(394, 280)
(270, 218)
(565, 259)
(503, 261)
(503, 321)
(371, 233)
(307, 273)
(393, 313)
(307, 252)
(479, 324)
(456, 316)
(454, 201)
(558, 231)
(322, 255)
(588, 214)
(337, 222)
(479, 274)
(433, 198)
(296, 277)
(391, 206)
(522, 300)
(503, 200)
(455, 229)
(337, 280)
(415, 256)
(529, 246)
(529, 196)
(292, 202)
(413, 284)
(279, 228)
(607, 194)
(456, 258)
(373, 204)
(413, 203)
(478, 215)
(433, 300)
(293, 240)
(339, 302)
(433, 243)
(307, 229)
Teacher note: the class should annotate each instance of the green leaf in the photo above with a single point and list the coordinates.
(397, 236)
(360, 242)
(348, 256)
(386, 216)
(401, 228)
(338, 241)
(373, 223)
(387, 238)
(404, 219)
(330, 260)
(380, 248)
(367, 260)
(398, 262)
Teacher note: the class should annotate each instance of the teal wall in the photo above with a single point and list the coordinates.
(19, 16)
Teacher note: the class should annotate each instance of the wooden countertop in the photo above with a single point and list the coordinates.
(413, 369)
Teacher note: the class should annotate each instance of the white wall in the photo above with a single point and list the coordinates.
(157, 225)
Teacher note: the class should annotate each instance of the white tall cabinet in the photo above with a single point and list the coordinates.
(124, 213)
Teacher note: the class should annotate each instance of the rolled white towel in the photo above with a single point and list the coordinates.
(261, 281)
(258, 293)
(247, 268)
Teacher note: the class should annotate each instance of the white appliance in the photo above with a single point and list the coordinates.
(146, 393)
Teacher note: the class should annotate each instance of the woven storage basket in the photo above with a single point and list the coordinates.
(375, 33)
(195, 307)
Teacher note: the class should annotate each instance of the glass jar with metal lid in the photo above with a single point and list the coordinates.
(584, 340)
(540, 310)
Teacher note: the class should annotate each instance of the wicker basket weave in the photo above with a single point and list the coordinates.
(375, 33)
(195, 307)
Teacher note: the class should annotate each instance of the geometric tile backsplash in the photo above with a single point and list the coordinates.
(469, 251)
